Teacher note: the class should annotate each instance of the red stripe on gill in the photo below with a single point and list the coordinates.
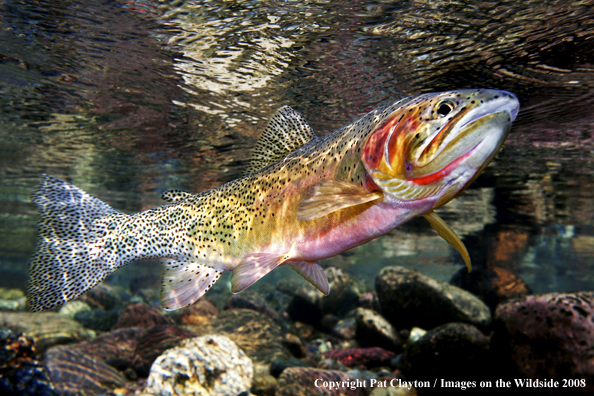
(442, 173)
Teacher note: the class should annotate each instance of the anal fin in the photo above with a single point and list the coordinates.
(332, 195)
(449, 235)
(185, 282)
(313, 273)
(253, 267)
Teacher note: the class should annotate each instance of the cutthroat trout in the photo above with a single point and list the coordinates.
(304, 198)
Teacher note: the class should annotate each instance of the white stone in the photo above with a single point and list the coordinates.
(205, 366)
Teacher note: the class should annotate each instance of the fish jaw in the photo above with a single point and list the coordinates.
(418, 153)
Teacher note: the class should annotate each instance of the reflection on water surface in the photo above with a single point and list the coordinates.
(126, 99)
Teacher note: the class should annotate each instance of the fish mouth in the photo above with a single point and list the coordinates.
(479, 131)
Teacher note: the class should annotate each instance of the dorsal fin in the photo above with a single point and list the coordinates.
(175, 195)
(286, 131)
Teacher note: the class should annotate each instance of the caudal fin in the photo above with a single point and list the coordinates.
(65, 264)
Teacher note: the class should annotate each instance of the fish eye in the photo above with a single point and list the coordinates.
(444, 107)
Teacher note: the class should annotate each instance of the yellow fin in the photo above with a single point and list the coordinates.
(313, 273)
(253, 267)
(332, 195)
(449, 235)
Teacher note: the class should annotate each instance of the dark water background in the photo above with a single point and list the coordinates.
(126, 99)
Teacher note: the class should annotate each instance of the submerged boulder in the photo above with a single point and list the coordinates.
(549, 336)
(207, 365)
(75, 373)
(408, 298)
(455, 351)
(46, 328)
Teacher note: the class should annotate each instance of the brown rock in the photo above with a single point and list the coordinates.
(103, 297)
(199, 313)
(75, 373)
(549, 336)
(134, 348)
(141, 315)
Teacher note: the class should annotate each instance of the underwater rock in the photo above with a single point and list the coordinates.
(102, 297)
(294, 345)
(141, 315)
(251, 300)
(346, 328)
(155, 340)
(344, 294)
(75, 373)
(408, 298)
(12, 299)
(368, 357)
(455, 351)
(278, 365)
(263, 385)
(71, 308)
(134, 348)
(301, 381)
(46, 328)
(256, 334)
(207, 365)
(549, 336)
(20, 372)
(198, 313)
(309, 305)
(98, 319)
(493, 285)
(374, 330)
(116, 348)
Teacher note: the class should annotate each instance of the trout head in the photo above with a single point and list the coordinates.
(435, 145)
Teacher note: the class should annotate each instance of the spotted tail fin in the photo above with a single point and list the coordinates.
(65, 264)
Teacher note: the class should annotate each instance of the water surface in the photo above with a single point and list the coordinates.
(126, 99)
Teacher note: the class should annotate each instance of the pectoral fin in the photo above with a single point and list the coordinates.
(313, 273)
(449, 235)
(253, 267)
(185, 282)
(332, 195)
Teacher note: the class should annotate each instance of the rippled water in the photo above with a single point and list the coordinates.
(126, 99)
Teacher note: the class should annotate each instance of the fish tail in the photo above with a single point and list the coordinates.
(72, 255)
